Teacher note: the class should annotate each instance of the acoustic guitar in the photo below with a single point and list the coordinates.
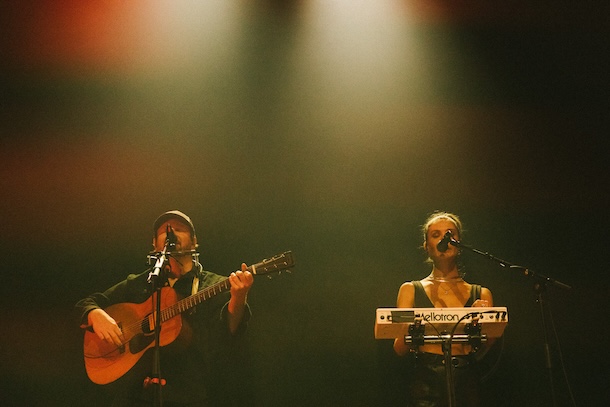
(106, 362)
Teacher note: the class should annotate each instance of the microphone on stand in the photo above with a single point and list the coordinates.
(170, 245)
(162, 258)
(443, 245)
(170, 239)
(170, 248)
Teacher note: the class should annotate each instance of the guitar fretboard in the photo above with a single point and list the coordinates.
(277, 263)
(195, 299)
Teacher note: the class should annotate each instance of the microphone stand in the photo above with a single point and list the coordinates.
(157, 283)
(446, 346)
(540, 284)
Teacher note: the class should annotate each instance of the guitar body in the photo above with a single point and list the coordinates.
(105, 362)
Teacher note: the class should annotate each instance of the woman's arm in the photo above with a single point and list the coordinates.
(406, 296)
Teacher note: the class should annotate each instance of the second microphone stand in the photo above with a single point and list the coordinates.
(540, 284)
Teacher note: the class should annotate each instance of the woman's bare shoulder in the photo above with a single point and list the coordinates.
(406, 293)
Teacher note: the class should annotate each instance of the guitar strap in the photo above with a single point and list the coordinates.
(195, 285)
(199, 272)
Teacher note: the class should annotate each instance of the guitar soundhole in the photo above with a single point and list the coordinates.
(146, 328)
(139, 343)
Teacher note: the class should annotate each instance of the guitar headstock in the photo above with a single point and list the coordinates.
(277, 263)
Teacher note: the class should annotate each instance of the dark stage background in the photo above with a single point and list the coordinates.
(329, 128)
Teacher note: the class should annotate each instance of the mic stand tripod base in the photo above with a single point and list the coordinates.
(149, 381)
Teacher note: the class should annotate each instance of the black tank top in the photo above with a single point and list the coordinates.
(421, 299)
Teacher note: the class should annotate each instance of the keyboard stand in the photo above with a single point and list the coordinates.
(472, 336)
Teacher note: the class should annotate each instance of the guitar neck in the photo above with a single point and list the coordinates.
(277, 263)
(195, 299)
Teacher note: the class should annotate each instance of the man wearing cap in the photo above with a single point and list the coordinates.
(195, 366)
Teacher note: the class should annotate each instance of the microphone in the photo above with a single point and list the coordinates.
(161, 259)
(443, 245)
(170, 239)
